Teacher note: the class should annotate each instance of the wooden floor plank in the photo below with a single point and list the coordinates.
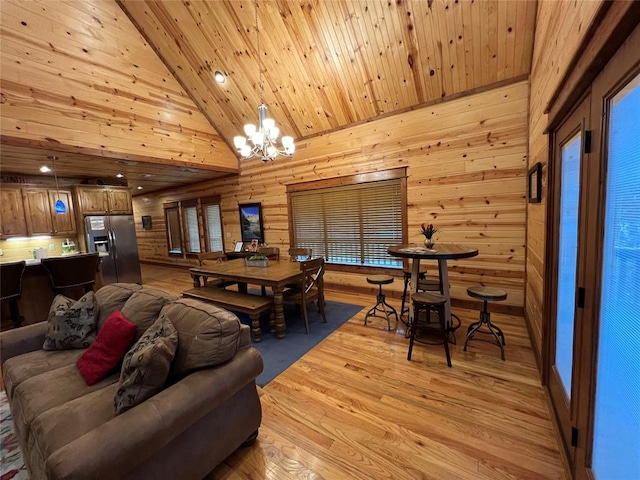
(355, 408)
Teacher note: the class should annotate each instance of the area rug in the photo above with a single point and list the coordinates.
(279, 354)
(11, 464)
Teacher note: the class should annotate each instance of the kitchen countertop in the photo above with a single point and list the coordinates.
(36, 261)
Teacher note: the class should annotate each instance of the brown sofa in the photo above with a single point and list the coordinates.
(68, 430)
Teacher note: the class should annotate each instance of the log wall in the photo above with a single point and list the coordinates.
(466, 163)
(560, 29)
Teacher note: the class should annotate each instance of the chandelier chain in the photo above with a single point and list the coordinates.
(261, 84)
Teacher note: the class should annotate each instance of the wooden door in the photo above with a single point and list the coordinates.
(565, 278)
(63, 223)
(93, 201)
(12, 218)
(37, 211)
(119, 201)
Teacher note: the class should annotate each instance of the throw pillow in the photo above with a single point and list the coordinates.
(107, 351)
(146, 366)
(144, 306)
(71, 323)
(111, 298)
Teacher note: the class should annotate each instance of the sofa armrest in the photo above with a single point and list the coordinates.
(135, 436)
(22, 340)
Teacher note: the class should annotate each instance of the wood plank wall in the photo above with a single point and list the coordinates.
(79, 77)
(560, 29)
(466, 162)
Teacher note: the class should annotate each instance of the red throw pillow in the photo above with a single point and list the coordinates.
(109, 348)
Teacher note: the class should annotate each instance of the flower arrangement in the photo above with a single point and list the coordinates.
(257, 257)
(428, 230)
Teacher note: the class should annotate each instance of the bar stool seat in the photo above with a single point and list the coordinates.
(381, 305)
(11, 288)
(430, 302)
(72, 273)
(486, 294)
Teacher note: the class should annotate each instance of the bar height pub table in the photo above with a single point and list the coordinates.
(440, 252)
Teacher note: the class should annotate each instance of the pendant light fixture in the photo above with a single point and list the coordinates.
(59, 206)
(264, 136)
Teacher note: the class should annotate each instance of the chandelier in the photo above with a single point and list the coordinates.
(260, 140)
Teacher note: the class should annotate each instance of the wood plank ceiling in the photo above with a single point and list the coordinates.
(325, 64)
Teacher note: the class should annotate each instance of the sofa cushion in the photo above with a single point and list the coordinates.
(40, 393)
(104, 355)
(146, 365)
(112, 297)
(20, 368)
(143, 307)
(71, 323)
(66, 422)
(207, 335)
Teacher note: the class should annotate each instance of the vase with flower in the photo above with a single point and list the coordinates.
(428, 231)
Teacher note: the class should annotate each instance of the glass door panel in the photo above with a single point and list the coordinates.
(567, 258)
(616, 447)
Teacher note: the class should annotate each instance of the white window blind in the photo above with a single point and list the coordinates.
(351, 224)
(191, 228)
(213, 227)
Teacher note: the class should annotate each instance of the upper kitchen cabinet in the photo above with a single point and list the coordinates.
(12, 219)
(40, 213)
(100, 200)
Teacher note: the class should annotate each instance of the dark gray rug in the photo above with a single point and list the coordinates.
(278, 355)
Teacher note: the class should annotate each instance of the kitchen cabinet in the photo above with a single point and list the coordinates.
(100, 200)
(12, 219)
(40, 213)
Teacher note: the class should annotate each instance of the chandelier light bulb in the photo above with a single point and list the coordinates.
(273, 133)
(268, 124)
(245, 151)
(249, 129)
(239, 142)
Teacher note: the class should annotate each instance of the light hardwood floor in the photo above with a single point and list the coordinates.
(355, 408)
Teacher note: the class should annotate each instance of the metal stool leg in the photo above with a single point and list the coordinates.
(485, 319)
(382, 306)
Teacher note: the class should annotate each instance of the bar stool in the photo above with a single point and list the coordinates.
(407, 278)
(486, 294)
(429, 302)
(381, 305)
(11, 288)
(72, 272)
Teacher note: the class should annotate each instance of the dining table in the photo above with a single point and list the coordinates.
(440, 252)
(277, 274)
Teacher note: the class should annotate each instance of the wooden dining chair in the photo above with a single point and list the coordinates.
(298, 254)
(11, 288)
(213, 257)
(311, 288)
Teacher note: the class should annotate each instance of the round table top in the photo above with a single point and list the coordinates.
(440, 251)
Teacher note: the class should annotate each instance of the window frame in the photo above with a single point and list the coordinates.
(200, 204)
(354, 179)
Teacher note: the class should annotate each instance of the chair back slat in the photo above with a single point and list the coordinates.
(217, 256)
(300, 254)
(272, 253)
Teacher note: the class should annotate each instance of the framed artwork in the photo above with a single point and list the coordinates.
(534, 183)
(251, 222)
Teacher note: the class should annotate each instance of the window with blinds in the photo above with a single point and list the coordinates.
(350, 224)
(190, 215)
(213, 227)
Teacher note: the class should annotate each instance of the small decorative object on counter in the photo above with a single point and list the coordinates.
(257, 261)
(428, 231)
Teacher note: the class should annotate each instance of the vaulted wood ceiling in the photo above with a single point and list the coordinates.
(325, 65)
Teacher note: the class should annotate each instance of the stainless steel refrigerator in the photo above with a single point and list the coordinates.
(114, 237)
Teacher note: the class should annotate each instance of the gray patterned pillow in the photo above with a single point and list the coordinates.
(146, 366)
(71, 324)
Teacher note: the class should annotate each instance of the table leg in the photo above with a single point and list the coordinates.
(279, 312)
(444, 279)
(242, 287)
(196, 280)
(413, 288)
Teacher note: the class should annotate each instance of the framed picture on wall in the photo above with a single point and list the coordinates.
(251, 222)
(534, 183)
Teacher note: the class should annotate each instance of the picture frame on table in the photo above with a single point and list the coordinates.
(238, 247)
(251, 222)
(534, 183)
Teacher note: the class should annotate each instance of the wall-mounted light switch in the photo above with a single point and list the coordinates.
(52, 246)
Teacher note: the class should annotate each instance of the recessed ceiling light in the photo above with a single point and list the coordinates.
(219, 76)
(146, 175)
(139, 187)
(45, 169)
(119, 175)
